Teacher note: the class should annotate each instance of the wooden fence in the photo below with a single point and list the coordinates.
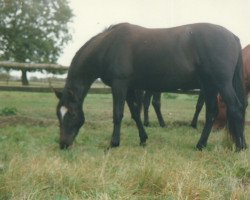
(31, 66)
(105, 90)
(10, 86)
(49, 87)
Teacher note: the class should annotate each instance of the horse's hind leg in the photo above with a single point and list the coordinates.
(211, 112)
(199, 106)
(119, 92)
(146, 103)
(135, 113)
(139, 97)
(156, 102)
(235, 116)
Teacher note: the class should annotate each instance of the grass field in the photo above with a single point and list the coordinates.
(169, 167)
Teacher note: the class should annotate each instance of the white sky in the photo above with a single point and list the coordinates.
(92, 16)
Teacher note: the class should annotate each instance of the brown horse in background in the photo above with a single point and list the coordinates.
(156, 102)
(220, 120)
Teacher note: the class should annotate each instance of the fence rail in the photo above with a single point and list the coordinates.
(31, 66)
(94, 90)
(49, 87)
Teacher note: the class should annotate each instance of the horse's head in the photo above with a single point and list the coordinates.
(70, 116)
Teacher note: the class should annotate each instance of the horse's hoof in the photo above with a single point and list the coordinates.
(241, 148)
(106, 150)
(114, 145)
(193, 125)
(200, 146)
(143, 144)
(163, 125)
(143, 140)
(241, 145)
(109, 148)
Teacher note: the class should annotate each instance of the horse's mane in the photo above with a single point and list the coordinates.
(107, 29)
(113, 26)
(87, 44)
(90, 40)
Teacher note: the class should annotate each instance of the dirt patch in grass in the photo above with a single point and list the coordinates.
(29, 121)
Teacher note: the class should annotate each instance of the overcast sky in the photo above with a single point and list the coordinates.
(93, 16)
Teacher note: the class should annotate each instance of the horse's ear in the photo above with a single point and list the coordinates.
(58, 94)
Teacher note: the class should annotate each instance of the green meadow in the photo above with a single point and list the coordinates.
(169, 167)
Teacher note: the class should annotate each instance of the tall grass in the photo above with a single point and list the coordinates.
(169, 167)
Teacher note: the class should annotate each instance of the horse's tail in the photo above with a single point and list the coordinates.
(238, 84)
(238, 81)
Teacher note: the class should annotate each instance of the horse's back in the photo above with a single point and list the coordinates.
(164, 59)
(187, 43)
(160, 57)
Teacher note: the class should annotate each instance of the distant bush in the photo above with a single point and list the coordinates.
(8, 111)
(4, 76)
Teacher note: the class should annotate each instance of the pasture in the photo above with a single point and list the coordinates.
(169, 167)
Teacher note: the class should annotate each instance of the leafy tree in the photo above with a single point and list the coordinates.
(33, 30)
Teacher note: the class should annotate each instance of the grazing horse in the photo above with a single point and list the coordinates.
(221, 119)
(129, 57)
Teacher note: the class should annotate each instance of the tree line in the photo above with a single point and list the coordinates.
(34, 31)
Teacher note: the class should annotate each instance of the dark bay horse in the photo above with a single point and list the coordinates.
(221, 119)
(129, 57)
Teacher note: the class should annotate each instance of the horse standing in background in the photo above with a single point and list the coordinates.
(128, 58)
(156, 102)
(221, 119)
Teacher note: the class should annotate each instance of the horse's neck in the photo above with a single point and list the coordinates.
(78, 88)
(81, 74)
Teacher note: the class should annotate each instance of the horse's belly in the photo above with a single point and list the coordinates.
(165, 83)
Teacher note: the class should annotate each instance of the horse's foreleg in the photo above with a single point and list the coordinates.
(199, 106)
(146, 103)
(211, 112)
(119, 92)
(156, 102)
(135, 113)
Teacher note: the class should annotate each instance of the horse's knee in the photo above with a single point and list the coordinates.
(118, 118)
(156, 103)
(136, 116)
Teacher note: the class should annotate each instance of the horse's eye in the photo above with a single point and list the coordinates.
(70, 109)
